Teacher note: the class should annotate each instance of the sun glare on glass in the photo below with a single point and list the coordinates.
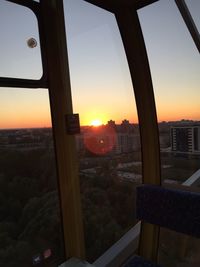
(96, 122)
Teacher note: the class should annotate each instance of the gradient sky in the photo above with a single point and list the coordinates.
(100, 79)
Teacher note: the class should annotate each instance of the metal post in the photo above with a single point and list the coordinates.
(61, 104)
(132, 37)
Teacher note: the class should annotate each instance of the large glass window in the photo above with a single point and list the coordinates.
(30, 222)
(30, 216)
(109, 144)
(175, 67)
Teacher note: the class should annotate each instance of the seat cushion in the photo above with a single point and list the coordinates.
(171, 208)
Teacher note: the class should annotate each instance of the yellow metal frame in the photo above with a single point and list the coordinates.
(52, 31)
(61, 104)
(132, 37)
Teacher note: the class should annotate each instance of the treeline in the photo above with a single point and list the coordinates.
(108, 210)
(30, 214)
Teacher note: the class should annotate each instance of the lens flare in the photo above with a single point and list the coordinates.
(100, 140)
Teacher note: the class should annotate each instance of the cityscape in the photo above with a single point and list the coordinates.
(110, 168)
(116, 142)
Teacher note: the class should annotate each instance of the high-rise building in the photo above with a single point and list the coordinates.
(185, 139)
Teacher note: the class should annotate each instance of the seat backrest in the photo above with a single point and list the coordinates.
(174, 209)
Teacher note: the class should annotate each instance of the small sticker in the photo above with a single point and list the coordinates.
(47, 253)
(72, 124)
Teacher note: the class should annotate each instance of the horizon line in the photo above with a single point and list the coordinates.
(137, 123)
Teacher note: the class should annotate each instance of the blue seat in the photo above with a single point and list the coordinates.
(170, 208)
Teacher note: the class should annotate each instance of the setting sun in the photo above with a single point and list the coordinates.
(96, 122)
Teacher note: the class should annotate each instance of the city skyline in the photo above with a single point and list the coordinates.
(100, 79)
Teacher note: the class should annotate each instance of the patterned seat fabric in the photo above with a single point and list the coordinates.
(174, 209)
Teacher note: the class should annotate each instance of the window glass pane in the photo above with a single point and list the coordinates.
(20, 45)
(109, 143)
(175, 67)
(30, 223)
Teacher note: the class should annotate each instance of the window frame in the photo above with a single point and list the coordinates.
(30, 83)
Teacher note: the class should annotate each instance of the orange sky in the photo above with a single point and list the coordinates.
(22, 108)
